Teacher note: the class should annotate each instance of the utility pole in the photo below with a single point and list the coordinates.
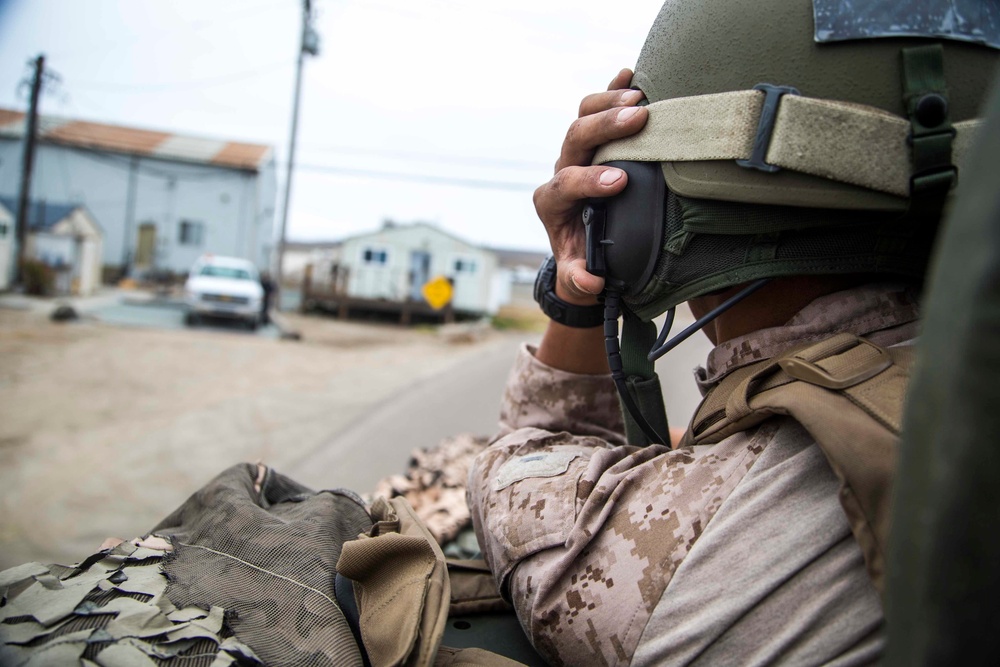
(133, 178)
(308, 44)
(27, 164)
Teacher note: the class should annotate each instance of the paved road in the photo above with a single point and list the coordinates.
(462, 399)
(92, 415)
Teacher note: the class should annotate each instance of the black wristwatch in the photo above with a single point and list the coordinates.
(580, 317)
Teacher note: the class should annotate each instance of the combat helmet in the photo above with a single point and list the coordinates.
(784, 138)
(803, 136)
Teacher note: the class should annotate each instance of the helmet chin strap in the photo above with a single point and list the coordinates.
(612, 310)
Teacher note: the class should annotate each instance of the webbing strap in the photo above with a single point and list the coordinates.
(638, 338)
(931, 133)
(840, 141)
(870, 377)
(848, 394)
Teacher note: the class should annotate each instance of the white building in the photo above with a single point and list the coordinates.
(394, 263)
(67, 239)
(162, 199)
(301, 254)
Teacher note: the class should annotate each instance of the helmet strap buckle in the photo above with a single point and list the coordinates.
(765, 126)
(931, 132)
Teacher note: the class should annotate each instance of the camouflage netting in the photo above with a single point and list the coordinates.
(250, 581)
(111, 610)
(269, 558)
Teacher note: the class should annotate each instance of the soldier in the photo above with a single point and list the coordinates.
(831, 186)
(269, 287)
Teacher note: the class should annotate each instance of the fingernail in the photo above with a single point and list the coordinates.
(572, 279)
(626, 113)
(631, 96)
(610, 176)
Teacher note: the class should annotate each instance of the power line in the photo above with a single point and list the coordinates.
(196, 172)
(504, 163)
(420, 178)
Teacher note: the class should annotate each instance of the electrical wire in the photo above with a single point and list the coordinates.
(503, 163)
(420, 178)
(106, 156)
(662, 348)
(178, 173)
(612, 309)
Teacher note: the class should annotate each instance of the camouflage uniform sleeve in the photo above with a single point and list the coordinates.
(539, 396)
(583, 537)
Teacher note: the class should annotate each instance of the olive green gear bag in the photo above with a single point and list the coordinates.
(848, 394)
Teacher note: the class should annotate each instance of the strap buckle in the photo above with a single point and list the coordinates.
(846, 371)
(765, 126)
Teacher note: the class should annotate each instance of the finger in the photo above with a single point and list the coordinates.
(564, 192)
(580, 284)
(599, 102)
(622, 80)
(589, 132)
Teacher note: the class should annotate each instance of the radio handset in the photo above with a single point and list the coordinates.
(625, 232)
(624, 242)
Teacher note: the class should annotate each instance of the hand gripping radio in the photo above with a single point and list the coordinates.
(624, 243)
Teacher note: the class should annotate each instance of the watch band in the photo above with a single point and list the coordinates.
(579, 317)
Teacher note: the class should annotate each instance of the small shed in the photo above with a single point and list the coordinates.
(67, 239)
(388, 269)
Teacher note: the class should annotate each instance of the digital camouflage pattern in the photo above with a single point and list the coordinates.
(554, 400)
(583, 533)
(434, 484)
(110, 610)
(605, 534)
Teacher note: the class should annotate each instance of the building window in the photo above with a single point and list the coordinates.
(3, 229)
(465, 265)
(378, 256)
(192, 233)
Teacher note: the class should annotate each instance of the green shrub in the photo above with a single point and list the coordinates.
(39, 278)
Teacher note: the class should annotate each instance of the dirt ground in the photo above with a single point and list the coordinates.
(105, 430)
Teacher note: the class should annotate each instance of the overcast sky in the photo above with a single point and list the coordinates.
(460, 90)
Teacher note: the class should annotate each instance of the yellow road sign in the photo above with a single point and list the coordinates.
(437, 292)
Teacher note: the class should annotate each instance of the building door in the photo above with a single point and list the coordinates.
(420, 272)
(146, 248)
